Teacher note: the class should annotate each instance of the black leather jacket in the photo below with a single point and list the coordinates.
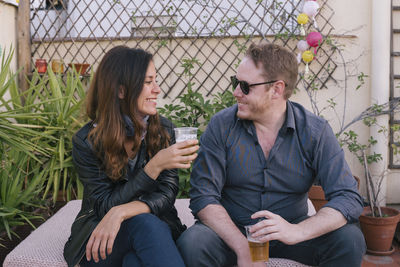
(101, 193)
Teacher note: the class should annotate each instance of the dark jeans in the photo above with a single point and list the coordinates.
(143, 240)
(201, 246)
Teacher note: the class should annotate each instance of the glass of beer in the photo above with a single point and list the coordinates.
(259, 251)
(185, 133)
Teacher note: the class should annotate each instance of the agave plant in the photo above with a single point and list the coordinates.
(41, 122)
(58, 104)
(11, 133)
(20, 184)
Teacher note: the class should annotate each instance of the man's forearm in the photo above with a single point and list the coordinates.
(217, 218)
(326, 220)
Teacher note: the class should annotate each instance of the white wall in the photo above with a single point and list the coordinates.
(8, 29)
(355, 18)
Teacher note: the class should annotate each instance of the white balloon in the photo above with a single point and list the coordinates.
(302, 45)
(310, 8)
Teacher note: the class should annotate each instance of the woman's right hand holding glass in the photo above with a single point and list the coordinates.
(179, 155)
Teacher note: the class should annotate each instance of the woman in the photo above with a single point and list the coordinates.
(127, 165)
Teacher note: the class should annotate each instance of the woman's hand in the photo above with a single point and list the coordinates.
(179, 155)
(103, 236)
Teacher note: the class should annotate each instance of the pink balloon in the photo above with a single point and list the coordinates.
(314, 39)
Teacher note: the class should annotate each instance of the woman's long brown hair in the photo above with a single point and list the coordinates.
(121, 68)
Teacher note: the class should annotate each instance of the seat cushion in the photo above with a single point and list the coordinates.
(44, 246)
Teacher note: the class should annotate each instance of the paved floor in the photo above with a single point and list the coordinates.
(382, 261)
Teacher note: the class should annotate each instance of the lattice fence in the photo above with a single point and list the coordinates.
(211, 35)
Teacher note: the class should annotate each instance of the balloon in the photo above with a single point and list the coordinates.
(307, 56)
(302, 18)
(314, 39)
(302, 45)
(310, 8)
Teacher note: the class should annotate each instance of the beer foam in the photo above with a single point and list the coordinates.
(185, 137)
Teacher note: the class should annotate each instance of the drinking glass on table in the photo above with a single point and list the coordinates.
(259, 251)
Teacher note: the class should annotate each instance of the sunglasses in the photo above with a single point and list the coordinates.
(245, 86)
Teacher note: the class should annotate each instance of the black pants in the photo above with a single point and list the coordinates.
(201, 246)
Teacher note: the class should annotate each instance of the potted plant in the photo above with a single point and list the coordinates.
(378, 224)
(81, 68)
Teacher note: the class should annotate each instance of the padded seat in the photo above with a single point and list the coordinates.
(44, 246)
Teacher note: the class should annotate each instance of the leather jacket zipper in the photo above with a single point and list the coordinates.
(84, 215)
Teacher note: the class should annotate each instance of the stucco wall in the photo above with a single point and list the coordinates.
(8, 29)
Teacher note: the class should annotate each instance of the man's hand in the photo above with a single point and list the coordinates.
(275, 228)
(104, 235)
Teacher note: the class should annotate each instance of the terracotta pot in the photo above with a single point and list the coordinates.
(81, 68)
(379, 231)
(317, 196)
(41, 65)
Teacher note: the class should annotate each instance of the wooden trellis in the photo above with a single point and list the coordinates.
(212, 35)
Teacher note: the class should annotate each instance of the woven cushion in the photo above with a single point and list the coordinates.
(44, 246)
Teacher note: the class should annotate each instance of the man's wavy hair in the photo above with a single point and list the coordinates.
(122, 68)
(277, 62)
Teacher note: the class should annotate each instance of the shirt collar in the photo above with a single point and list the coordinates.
(289, 120)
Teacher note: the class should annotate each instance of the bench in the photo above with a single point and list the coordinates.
(44, 246)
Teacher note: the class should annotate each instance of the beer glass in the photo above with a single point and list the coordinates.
(185, 133)
(259, 251)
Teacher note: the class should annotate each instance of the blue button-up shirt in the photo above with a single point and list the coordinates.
(231, 169)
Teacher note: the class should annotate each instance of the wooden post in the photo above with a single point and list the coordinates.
(24, 43)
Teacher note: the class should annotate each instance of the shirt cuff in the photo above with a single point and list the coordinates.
(350, 208)
(197, 204)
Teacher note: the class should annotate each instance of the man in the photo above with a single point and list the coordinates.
(258, 159)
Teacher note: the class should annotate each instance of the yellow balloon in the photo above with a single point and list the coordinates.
(307, 56)
(302, 18)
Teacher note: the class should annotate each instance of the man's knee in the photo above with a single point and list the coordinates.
(348, 242)
(201, 246)
(350, 238)
(195, 240)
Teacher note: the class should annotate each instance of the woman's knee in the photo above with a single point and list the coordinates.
(147, 223)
